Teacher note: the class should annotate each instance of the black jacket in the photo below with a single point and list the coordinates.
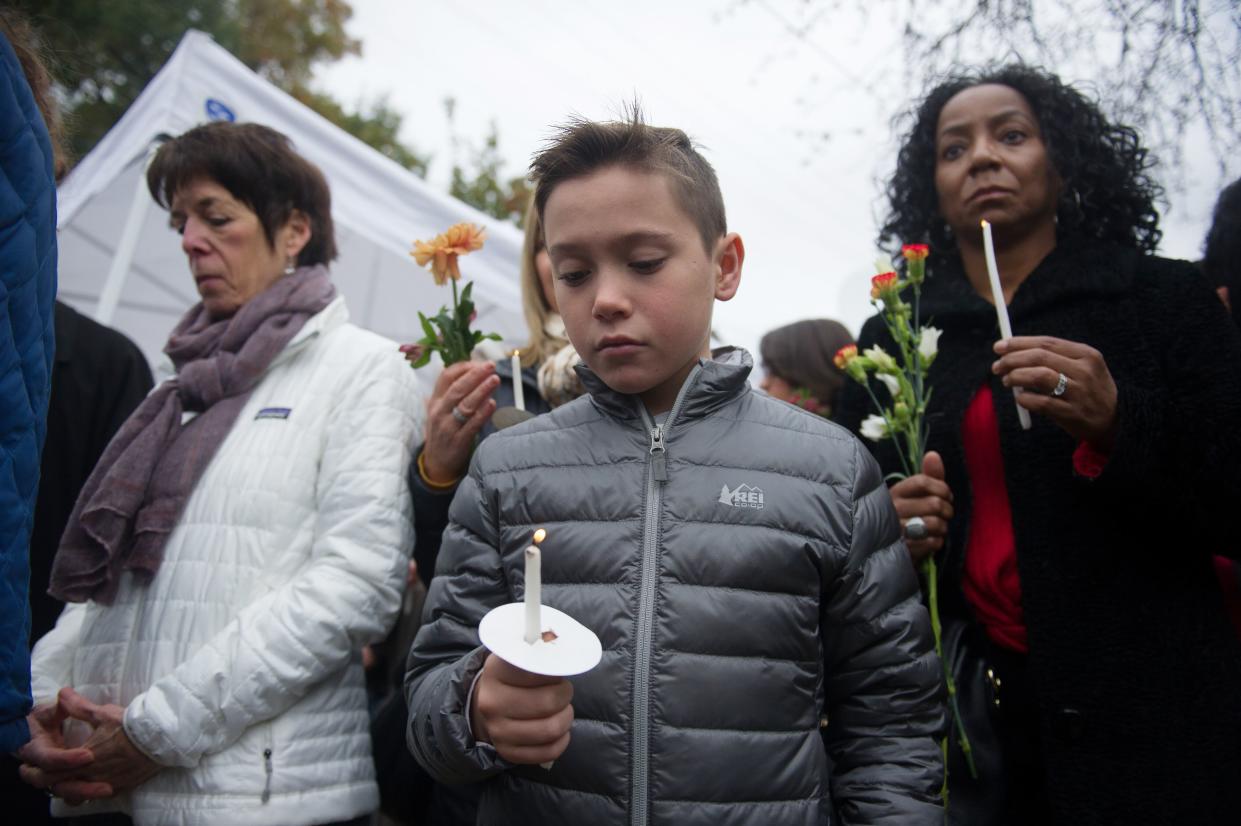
(1136, 671)
(99, 377)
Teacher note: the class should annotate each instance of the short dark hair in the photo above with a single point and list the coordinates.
(582, 147)
(1108, 194)
(801, 353)
(260, 168)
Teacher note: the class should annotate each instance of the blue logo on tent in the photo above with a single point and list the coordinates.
(218, 111)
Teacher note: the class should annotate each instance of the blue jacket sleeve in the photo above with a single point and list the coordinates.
(27, 293)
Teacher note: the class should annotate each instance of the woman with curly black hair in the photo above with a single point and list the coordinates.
(1099, 676)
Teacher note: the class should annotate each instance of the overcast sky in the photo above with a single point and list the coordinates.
(797, 129)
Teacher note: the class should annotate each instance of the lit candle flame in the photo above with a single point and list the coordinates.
(539, 536)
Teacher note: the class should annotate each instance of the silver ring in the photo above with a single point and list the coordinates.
(459, 416)
(915, 528)
(1062, 384)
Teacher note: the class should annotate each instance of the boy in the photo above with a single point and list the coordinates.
(738, 557)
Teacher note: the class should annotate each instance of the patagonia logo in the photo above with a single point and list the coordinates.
(273, 413)
(744, 496)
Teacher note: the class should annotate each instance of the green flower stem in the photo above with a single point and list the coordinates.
(931, 571)
(906, 332)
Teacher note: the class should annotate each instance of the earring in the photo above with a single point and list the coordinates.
(289, 267)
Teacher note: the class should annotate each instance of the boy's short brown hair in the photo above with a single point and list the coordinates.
(582, 147)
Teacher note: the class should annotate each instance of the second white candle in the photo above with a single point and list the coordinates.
(519, 392)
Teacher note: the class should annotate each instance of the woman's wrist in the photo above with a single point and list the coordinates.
(429, 479)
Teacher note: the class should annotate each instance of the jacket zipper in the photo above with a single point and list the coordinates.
(268, 769)
(656, 477)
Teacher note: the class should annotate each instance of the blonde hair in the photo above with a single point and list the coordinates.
(534, 304)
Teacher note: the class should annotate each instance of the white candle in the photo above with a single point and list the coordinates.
(519, 392)
(1001, 308)
(534, 590)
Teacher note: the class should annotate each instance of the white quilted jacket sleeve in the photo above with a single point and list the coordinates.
(281, 645)
(51, 662)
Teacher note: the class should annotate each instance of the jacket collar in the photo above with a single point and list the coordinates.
(720, 378)
(329, 318)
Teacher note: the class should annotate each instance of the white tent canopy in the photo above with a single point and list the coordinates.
(121, 263)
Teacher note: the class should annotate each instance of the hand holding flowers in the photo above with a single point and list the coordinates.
(920, 490)
(448, 333)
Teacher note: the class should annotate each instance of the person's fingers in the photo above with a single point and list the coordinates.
(477, 398)
(517, 703)
(534, 755)
(1037, 379)
(76, 792)
(933, 466)
(1063, 347)
(45, 756)
(935, 525)
(447, 377)
(42, 777)
(1058, 409)
(1026, 359)
(468, 382)
(49, 716)
(77, 706)
(920, 549)
(924, 506)
(919, 486)
(510, 674)
(541, 731)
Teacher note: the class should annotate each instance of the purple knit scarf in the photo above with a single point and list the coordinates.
(134, 497)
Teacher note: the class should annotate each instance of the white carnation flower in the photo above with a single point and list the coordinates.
(928, 342)
(891, 382)
(874, 428)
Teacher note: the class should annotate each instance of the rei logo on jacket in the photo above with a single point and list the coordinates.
(744, 496)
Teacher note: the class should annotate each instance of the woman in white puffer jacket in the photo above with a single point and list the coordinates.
(245, 534)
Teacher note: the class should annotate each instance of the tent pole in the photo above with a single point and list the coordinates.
(110, 295)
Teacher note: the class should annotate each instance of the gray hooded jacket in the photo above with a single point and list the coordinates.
(742, 565)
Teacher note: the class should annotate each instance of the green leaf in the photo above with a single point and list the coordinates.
(427, 329)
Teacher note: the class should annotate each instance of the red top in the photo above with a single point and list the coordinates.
(991, 583)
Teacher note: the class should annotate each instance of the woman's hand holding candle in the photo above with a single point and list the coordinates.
(526, 716)
(1001, 311)
(1087, 409)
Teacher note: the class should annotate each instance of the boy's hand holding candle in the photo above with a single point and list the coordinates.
(525, 716)
(521, 702)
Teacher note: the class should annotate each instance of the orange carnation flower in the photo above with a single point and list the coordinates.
(915, 252)
(882, 283)
(844, 355)
(441, 252)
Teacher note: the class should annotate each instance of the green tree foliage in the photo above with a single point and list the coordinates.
(481, 183)
(106, 51)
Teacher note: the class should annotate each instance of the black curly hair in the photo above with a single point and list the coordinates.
(1108, 194)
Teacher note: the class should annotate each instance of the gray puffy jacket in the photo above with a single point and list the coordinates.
(742, 565)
